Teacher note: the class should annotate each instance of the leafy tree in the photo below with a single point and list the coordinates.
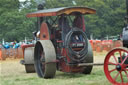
(14, 25)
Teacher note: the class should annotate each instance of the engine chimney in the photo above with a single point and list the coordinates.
(40, 19)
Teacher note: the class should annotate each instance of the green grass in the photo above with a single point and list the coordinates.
(12, 73)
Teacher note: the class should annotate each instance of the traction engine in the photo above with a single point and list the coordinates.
(61, 42)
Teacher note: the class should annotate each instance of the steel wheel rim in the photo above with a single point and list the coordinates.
(42, 60)
(39, 61)
(120, 67)
(45, 61)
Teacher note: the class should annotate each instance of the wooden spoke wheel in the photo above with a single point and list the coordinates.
(45, 57)
(116, 66)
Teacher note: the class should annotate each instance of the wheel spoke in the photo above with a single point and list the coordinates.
(125, 65)
(110, 63)
(126, 69)
(112, 70)
(116, 76)
(126, 74)
(121, 77)
(124, 59)
(115, 58)
(120, 55)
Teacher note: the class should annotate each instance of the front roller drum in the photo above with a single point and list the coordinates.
(29, 60)
(45, 59)
(116, 66)
(29, 68)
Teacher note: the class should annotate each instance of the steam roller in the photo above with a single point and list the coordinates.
(62, 44)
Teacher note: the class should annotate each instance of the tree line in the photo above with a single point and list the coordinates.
(108, 20)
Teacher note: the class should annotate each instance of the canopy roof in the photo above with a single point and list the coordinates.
(62, 10)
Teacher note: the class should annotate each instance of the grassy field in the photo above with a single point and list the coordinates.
(12, 73)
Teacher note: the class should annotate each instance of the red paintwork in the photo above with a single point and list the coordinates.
(44, 32)
(107, 70)
(60, 41)
(83, 23)
(63, 66)
(26, 46)
(0, 54)
(79, 22)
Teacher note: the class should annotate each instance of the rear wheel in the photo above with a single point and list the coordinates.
(45, 57)
(88, 59)
(79, 49)
(29, 60)
(87, 70)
